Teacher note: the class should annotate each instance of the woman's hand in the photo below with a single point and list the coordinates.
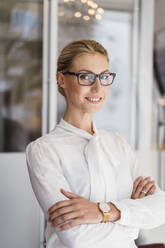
(143, 187)
(77, 210)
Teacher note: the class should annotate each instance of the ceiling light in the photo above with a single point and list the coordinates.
(77, 14)
(98, 16)
(100, 10)
(90, 3)
(94, 5)
(91, 11)
(87, 9)
(86, 18)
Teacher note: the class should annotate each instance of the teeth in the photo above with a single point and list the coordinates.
(93, 99)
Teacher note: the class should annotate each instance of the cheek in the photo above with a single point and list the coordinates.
(76, 92)
(70, 88)
(83, 91)
(79, 91)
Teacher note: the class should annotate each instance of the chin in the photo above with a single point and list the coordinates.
(93, 110)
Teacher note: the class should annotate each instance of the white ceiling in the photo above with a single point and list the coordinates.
(125, 5)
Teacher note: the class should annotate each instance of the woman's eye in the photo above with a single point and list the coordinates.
(104, 76)
(84, 76)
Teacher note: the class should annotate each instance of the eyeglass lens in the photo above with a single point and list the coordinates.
(89, 78)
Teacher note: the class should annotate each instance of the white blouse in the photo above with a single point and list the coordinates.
(99, 167)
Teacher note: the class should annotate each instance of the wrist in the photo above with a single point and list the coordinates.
(105, 210)
(100, 214)
(115, 213)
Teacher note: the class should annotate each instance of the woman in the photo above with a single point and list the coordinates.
(87, 181)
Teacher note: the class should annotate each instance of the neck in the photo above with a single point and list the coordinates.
(83, 121)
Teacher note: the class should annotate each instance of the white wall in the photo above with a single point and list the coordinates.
(19, 210)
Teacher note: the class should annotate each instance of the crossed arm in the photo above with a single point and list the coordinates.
(78, 210)
(129, 214)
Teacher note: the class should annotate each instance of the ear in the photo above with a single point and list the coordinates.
(60, 79)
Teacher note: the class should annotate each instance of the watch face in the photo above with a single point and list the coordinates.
(105, 207)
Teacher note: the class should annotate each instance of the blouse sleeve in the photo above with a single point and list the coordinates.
(147, 212)
(47, 178)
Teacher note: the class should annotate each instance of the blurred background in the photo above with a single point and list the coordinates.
(32, 33)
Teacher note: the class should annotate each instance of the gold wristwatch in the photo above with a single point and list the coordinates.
(106, 211)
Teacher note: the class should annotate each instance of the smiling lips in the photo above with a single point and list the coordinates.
(94, 99)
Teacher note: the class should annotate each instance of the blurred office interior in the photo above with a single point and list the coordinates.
(32, 33)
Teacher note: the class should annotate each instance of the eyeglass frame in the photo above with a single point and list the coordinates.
(96, 75)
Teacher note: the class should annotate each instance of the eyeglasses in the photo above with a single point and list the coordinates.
(90, 78)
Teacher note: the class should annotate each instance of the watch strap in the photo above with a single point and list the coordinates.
(106, 215)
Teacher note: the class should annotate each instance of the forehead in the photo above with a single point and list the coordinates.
(95, 62)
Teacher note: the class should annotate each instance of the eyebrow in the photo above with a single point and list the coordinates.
(85, 70)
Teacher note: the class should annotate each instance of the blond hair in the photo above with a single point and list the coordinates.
(73, 49)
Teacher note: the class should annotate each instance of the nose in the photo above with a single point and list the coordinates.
(97, 85)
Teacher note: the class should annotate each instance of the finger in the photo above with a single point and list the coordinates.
(138, 193)
(59, 205)
(142, 195)
(72, 223)
(65, 217)
(136, 183)
(152, 190)
(60, 212)
(68, 194)
(142, 184)
(147, 186)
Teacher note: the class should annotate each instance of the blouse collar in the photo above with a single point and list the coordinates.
(80, 132)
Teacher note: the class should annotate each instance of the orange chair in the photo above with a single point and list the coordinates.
(152, 246)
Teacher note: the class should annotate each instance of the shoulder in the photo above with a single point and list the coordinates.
(42, 154)
(42, 143)
(54, 135)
